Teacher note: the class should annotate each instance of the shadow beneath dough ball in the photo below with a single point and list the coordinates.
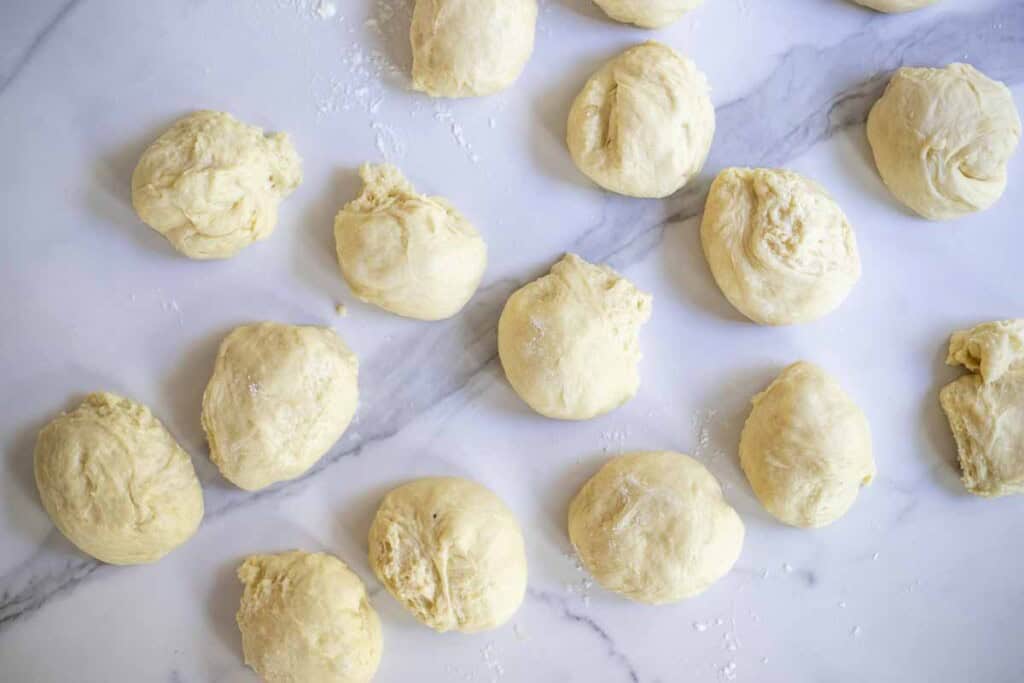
(222, 605)
(933, 429)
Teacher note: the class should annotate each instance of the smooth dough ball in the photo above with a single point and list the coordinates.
(466, 48)
(306, 617)
(569, 341)
(451, 553)
(647, 13)
(895, 5)
(806, 448)
(211, 184)
(942, 139)
(407, 253)
(642, 125)
(779, 247)
(655, 527)
(279, 398)
(116, 483)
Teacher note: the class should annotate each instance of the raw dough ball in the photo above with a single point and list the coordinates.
(642, 125)
(655, 527)
(407, 253)
(306, 617)
(942, 139)
(451, 552)
(806, 448)
(279, 398)
(569, 340)
(463, 48)
(211, 184)
(895, 5)
(647, 13)
(116, 483)
(992, 349)
(779, 247)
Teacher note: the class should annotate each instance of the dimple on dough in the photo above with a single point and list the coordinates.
(654, 527)
(569, 341)
(407, 253)
(986, 409)
(211, 184)
(942, 139)
(806, 448)
(647, 13)
(115, 482)
(467, 48)
(279, 398)
(451, 553)
(895, 5)
(779, 247)
(306, 617)
(642, 125)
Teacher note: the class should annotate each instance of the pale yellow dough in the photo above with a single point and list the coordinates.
(305, 617)
(115, 482)
(211, 184)
(895, 5)
(451, 553)
(647, 13)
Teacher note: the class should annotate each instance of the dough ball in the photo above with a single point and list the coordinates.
(991, 349)
(279, 398)
(647, 13)
(942, 139)
(211, 184)
(806, 448)
(655, 527)
(451, 552)
(569, 341)
(116, 483)
(407, 253)
(465, 48)
(895, 5)
(642, 125)
(306, 617)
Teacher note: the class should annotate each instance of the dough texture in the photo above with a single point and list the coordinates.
(779, 247)
(895, 5)
(407, 253)
(942, 139)
(211, 184)
(569, 341)
(806, 448)
(116, 483)
(466, 48)
(306, 617)
(279, 398)
(451, 553)
(655, 527)
(642, 125)
(986, 409)
(647, 13)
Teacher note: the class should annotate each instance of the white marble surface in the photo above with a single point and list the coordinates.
(920, 582)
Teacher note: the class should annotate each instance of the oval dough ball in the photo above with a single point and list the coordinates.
(116, 483)
(655, 527)
(279, 398)
(779, 247)
(895, 5)
(569, 341)
(306, 617)
(451, 552)
(806, 448)
(647, 13)
(642, 125)
(466, 48)
(211, 184)
(407, 253)
(942, 139)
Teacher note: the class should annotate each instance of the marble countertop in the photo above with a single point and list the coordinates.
(920, 582)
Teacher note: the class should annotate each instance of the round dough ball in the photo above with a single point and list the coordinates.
(451, 552)
(211, 184)
(942, 139)
(642, 125)
(655, 527)
(116, 483)
(306, 617)
(569, 341)
(279, 398)
(779, 247)
(806, 448)
(407, 253)
(647, 13)
(466, 48)
(895, 5)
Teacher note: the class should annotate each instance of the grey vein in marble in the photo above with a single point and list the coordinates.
(26, 55)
